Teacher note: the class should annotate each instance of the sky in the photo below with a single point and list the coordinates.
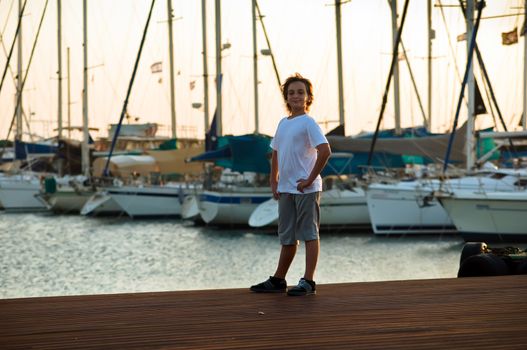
(302, 38)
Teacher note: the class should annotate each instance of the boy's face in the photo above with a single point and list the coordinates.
(297, 96)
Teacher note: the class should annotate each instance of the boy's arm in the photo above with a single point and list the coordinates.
(274, 175)
(324, 151)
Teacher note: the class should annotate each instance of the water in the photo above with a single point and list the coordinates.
(46, 255)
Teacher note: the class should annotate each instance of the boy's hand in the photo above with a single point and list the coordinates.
(274, 188)
(302, 184)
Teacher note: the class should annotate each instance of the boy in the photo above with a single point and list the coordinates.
(300, 152)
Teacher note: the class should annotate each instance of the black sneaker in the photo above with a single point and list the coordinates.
(304, 287)
(272, 285)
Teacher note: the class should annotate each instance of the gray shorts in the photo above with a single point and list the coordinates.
(298, 217)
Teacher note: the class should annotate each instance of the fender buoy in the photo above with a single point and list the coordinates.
(472, 248)
(521, 269)
(483, 265)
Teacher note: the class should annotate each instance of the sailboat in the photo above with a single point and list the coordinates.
(232, 192)
(71, 197)
(17, 191)
(488, 216)
(342, 205)
(146, 198)
(418, 211)
(143, 196)
(492, 215)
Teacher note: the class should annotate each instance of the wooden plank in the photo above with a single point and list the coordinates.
(469, 313)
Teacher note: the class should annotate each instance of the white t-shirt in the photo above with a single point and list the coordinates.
(295, 141)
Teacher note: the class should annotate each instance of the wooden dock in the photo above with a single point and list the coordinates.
(468, 313)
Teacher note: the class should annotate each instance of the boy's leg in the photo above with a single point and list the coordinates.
(312, 252)
(287, 254)
(287, 217)
(308, 230)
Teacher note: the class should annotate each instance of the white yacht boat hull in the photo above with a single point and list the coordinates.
(409, 207)
(148, 201)
(489, 217)
(190, 207)
(18, 194)
(65, 201)
(337, 208)
(101, 204)
(230, 208)
(398, 209)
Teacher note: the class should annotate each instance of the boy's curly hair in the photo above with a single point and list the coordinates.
(309, 89)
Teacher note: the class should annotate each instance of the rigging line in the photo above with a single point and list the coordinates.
(452, 51)
(13, 77)
(125, 104)
(487, 80)
(517, 19)
(269, 46)
(7, 17)
(388, 82)
(487, 93)
(9, 67)
(101, 38)
(13, 44)
(425, 119)
(480, 6)
(19, 97)
(507, 15)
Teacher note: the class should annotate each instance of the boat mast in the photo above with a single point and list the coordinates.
(431, 36)
(338, 4)
(59, 70)
(69, 92)
(524, 116)
(269, 51)
(86, 135)
(255, 68)
(469, 148)
(397, 108)
(219, 125)
(171, 60)
(18, 133)
(205, 66)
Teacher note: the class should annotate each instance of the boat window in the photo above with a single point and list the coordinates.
(521, 183)
(498, 176)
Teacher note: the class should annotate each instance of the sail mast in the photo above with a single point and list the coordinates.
(469, 148)
(86, 135)
(219, 126)
(397, 108)
(171, 60)
(205, 65)
(255, 68)
(524, 117)
(338, 4)
(18, 134)
(69, 91)
(270, 51)
(59, 70)
(431, 36)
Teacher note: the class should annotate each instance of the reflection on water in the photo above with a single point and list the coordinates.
(45, 255)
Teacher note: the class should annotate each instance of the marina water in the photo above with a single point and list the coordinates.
(47, 255)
